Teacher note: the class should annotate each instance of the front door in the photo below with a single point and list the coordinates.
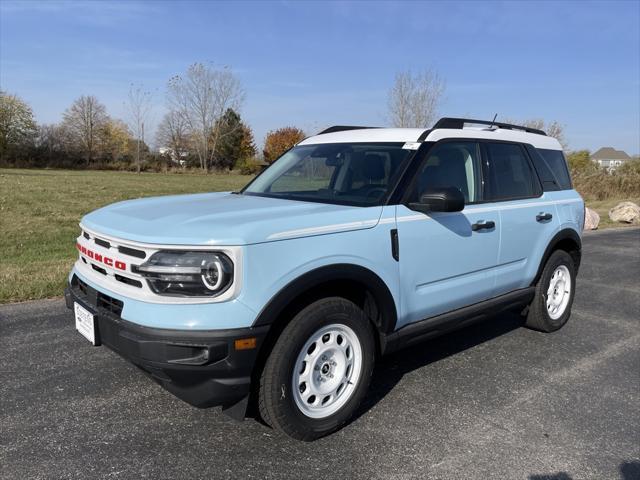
(447, 259)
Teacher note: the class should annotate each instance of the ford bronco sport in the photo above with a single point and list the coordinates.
(356, 242)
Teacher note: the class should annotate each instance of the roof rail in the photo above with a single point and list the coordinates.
(342, 128)
(458, 123)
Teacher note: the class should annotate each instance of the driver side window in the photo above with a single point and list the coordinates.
(451, 164)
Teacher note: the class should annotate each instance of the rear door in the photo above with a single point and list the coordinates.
(528, 219)
(447, 258)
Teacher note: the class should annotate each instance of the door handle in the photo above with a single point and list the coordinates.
(542, 217)
(482, 225)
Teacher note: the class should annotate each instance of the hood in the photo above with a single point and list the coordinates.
(224, 219)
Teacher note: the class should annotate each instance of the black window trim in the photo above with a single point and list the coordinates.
(411, 182)
(536, 176)
(400, 195)
(553, 173)
(548, 179)
(397, 192)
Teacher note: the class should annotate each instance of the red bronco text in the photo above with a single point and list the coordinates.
(108, 261)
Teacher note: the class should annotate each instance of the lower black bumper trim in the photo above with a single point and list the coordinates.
(201, 367)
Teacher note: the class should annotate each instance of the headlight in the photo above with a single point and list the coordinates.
(188, 274)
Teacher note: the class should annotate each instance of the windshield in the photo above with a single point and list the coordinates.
(359, 174)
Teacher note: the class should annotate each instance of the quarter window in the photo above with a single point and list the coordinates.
(558, 165)
(510, 173)
(451, 164)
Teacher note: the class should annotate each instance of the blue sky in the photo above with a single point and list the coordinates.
(314, 64)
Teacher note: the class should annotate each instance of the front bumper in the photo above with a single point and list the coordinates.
(201, 367)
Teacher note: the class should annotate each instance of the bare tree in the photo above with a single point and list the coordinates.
(173, 134)
(51, 140)
(201, 97)
(83, 120)
(413, 101)
(553, 129)
(138, 106)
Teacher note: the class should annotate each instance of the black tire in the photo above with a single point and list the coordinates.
(275, 399)
(538, 317)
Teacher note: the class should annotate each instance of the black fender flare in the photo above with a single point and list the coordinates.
(323, 275)
(564, 236)
(275, 314)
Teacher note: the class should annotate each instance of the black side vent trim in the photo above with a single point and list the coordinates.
(395, 245)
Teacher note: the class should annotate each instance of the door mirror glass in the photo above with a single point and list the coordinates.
(442, 199)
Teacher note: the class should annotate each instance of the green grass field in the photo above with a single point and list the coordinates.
(40, 211)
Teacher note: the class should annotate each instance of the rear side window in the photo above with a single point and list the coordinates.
(510, 173)
(558, 165)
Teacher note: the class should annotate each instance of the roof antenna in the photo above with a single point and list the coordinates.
(493, 121)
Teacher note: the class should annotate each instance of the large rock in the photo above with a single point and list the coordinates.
(591, 219)
(626, 212)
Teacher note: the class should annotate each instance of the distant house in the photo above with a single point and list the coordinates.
(179, 159)
(610, 158)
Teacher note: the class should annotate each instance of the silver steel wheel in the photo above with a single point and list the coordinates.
(559, 292)
(327, 371)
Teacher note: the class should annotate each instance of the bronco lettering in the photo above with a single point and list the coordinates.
(109, 262)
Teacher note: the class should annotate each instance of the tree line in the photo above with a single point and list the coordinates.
(202, 127)
(86, 137)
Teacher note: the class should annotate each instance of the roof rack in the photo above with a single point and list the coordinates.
(342, 128)
(458, 124)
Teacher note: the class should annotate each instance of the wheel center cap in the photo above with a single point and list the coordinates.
(325, 369)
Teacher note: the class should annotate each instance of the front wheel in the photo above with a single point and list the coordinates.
(551, 306)
(319, 370)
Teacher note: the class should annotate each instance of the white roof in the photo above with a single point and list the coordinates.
(538, 141)
(367, 135)
(412, 135)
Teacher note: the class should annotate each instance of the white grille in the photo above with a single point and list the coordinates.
(111, 262)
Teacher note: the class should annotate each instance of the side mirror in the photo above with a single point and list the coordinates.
(440, 199)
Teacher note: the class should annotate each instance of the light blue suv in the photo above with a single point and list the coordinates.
(356, 242)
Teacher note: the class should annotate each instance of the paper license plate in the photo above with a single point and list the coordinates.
(85, 322)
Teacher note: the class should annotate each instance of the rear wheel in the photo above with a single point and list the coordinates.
(551, 306)
(319, 370)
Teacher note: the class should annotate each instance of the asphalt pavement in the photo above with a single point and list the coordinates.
(492, 401)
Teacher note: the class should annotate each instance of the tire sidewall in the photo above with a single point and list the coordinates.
(311, 320)
(558, 258)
